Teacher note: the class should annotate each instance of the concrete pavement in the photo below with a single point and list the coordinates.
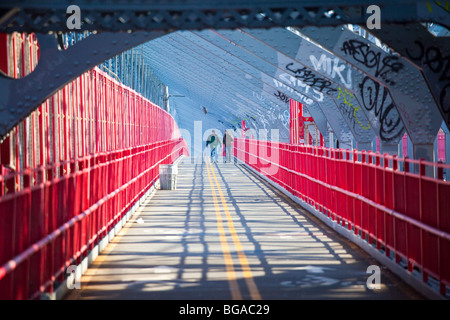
(226, 234)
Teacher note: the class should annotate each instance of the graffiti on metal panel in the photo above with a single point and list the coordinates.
(439, 64)
(385, 67)
(270, 115)
(281, 96)
(294, 82)
(311, 79)
(286, 116)
(376, 99)
(441, 4)
(332, 67)
(350, 110)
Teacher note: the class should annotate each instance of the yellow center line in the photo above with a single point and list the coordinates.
(231, 274)
(254, 292)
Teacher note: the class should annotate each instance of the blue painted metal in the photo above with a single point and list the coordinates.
(56, 68)
(266, 59)
(233, 81)
(143, 80)
(251, 72)
(198, 79)
(405, 82)
(431, 54)
(353, 84)
(233, 73)
(198, 71)
(122, 15)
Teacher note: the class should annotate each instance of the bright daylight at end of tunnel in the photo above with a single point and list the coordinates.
(200, 151)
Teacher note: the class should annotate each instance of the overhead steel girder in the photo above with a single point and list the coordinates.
(198, 58)
(199, 90)
(321, 86)
(429, 53)
(245, 71)
(192, 67)
(447, 149)
(269, 73)
(298, 91)
(234, 73)
(196, 75)
(206, 68)
(405, 82)
(58, 67)
(377, 104)
(122, 15)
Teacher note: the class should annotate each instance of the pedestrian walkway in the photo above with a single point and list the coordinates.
(226, 234)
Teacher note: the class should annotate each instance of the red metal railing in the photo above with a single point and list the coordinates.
(47, 227)
(71, 171)
(404, 214)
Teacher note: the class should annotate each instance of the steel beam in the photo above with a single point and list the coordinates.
(121, 15)
(404, 81)
(429, 53)
(269, 72)
(251, 74)
(447, 150)
(205, 53)
(180, 66)
(58, 67)
(200, 52)
(378, 106)
(289, 68)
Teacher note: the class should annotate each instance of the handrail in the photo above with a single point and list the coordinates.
(413, 228)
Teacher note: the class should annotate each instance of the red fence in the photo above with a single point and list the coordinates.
(71, 171)
(404, 214)
(47, 227)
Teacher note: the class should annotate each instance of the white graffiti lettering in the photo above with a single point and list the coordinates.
(333, 68)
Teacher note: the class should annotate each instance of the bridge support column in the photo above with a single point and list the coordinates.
(447, 155)
(391, 149)
(366, 146)
(426, 152)
(330, 137)
(345, 145)
(198, 142)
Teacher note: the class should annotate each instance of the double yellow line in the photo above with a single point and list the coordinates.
(229, 264)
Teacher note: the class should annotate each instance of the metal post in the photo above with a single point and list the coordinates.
(330, 137)
(425, 152)
(166, 99)
(447, 151)
(364, 146)
(391, 149)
